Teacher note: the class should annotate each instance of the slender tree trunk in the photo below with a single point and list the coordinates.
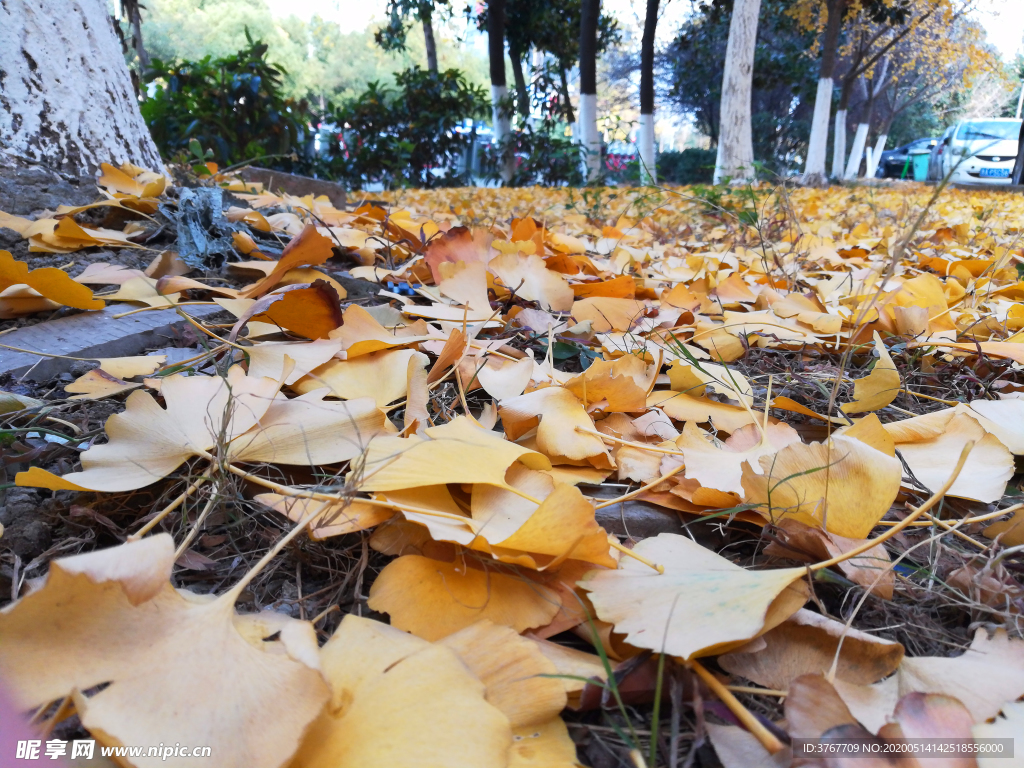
(839, 144)
(648, 172)
(522, 94)
(874, 88)
(589, 137)
(839, 137)
(856, 151)
(735, 158)
(814, 169)
(499, 91)
(135, 17)
(876, 155)
(66, 98)
(567, 110)
(428, 40)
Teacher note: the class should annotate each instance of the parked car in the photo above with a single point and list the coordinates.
(893, 161)
(938, 151)
(981, 151)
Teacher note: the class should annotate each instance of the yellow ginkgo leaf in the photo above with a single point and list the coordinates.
(50, 282)
(521, 681)
(111, 616)
(97, 384)
(331, 520)
(311, 431)
(434, 599)
(308, 248)
(702, 605)
(384, 376)
(878, 388)
(400, 701)
(556, 412)
(457, 452)
(989, 466)
(147, 442)
(529, 278)
(844, 486)
(623, 382)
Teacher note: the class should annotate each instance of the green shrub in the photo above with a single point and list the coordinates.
(406, 137)
(543, 155)
(691, 166)
(232, 105)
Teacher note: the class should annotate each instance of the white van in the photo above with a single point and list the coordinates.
(981, 151)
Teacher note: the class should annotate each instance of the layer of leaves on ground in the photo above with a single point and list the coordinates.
(817, 392)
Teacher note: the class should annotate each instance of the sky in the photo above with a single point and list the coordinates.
(1003, 20)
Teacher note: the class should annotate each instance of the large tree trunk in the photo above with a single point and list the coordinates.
(499, 91)
(814, 169)
(648, 173)
(428, 40)
(66, 100)
(589, 137)
(735, 159)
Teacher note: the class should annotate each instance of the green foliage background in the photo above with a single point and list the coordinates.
(319, 59)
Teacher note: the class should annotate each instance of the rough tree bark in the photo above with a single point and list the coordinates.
(66, 99)
(735, 159)
(428, 39)
(589, 137)
(499, 90)
(814, 169)
(648, 172)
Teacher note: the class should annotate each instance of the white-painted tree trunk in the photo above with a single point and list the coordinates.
(856, 151)
(735, 159)
(818, 142)
(502, 127)
(839, 145)
(645, 148)
(66, 100)
(590, 138)
(876, 156)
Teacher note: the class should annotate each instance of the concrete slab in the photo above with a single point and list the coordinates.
(90, 335)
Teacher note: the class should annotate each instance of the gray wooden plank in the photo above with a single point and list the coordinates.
(90, 335)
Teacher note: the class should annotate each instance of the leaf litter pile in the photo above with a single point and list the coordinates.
(627, 479)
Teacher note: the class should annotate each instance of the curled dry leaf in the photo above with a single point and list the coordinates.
(795, 541)
(311, 310)
(623, 383)
(308, 248)
(310, 431)
(807, 643)
(988, 673)
(878, 388)
(988, 468)
(556, 412)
